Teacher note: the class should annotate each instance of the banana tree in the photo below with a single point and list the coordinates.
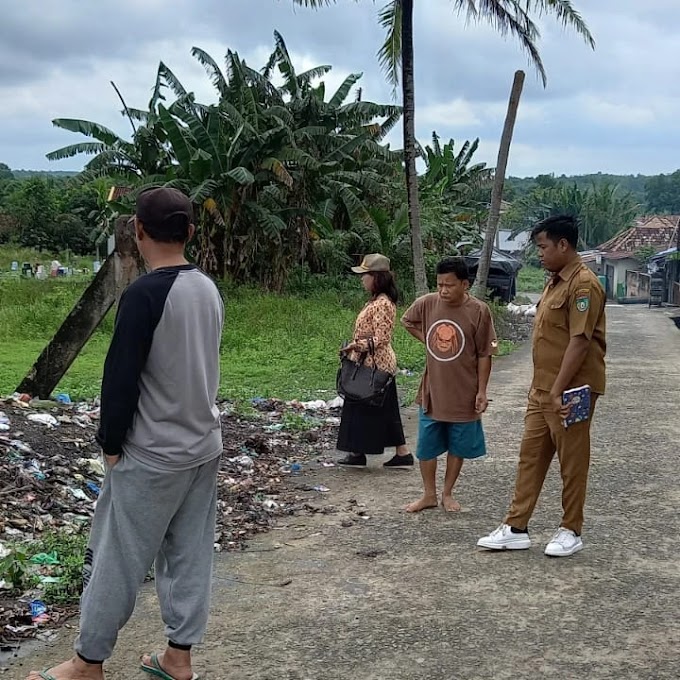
(452, 174)
(259, 161)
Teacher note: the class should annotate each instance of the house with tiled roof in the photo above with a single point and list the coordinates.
(621, 254)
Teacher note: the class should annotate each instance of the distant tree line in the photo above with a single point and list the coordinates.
(653, 193)
(50, 212)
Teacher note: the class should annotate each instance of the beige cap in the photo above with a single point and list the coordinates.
(373, 263)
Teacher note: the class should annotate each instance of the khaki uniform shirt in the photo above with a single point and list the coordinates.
(572, 304)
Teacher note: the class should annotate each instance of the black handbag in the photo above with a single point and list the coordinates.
(361, 384)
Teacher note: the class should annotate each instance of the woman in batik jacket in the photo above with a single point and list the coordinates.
(369, 430)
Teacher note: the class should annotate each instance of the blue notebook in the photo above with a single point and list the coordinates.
(579, 398)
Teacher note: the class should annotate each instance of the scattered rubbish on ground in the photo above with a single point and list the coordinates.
(51, 474)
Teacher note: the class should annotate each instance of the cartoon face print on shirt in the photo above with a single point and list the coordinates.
(445, 340)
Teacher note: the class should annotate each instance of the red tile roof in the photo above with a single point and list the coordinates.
(655, 231)
(593, 255)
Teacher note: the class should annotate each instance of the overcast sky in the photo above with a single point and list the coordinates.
(616, 109)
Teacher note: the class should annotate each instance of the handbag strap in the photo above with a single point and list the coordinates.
(371, 347)
(363, 355)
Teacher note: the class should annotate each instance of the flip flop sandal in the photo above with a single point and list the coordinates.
(46, 676)
(153, 669)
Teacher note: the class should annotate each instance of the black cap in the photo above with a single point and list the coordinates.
(165, 213)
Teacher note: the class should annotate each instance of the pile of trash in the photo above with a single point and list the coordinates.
(515, 322)
(50, 469)
(51, 474)
(262, 450)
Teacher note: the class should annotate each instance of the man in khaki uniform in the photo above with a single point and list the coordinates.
(568, 351)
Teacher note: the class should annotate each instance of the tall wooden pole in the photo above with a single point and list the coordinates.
(498, 184)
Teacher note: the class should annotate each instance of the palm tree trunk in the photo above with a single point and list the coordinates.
(409, 100)
(498, 184)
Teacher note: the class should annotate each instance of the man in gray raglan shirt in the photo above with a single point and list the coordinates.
(161, 437)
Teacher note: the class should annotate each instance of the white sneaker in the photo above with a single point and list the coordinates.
(504, 538)
(564, 543)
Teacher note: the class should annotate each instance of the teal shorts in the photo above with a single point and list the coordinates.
(462, 440)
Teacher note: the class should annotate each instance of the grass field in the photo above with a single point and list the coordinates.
(530, 279)
(273, 345)
(282, 346)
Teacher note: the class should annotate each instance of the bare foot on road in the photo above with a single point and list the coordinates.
(450, 504)
(424, 503)
(73, 669)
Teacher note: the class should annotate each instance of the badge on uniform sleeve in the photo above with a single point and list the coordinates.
(583, 300)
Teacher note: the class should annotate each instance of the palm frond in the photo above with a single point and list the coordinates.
(299, 157)
(171, 80)
(275, 166)
(138, 114)
(435, 144)
(213, 70)
(387, 126)
(507, 17)
(291, 84)
(89, 129)
(241, 175)
(566, 14)
(316, 72)
(177, 137)
(341, 93)
(389, 55)
(203, 191)
(157, 94)
(87, 148)
(270, 223)
(314, 4)
(367, 181)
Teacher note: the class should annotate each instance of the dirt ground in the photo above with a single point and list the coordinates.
(368, 591)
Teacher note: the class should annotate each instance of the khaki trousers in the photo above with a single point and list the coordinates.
(544, 434)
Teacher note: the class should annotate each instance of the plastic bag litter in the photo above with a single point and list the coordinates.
(43, 419)
(95, 465)
(45, 558)
(19, 446)
(316, 405)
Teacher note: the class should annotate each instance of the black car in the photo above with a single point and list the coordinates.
(502, 279)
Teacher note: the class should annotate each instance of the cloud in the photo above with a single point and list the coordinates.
(610, 110)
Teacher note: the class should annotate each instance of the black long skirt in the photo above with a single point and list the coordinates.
(371, 429)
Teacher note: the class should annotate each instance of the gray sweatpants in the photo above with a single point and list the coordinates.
(142, 515)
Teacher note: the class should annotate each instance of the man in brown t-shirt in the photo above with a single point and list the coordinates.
(568, 352)
(459, 337)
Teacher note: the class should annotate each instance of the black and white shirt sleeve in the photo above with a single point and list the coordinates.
(139, 311)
